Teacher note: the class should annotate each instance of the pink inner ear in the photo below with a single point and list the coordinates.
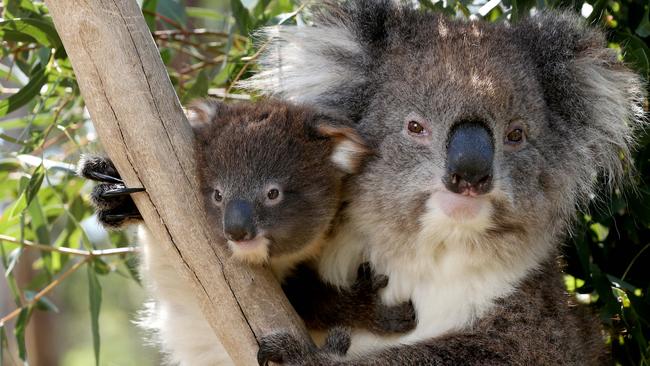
(202, 112)
(349, 148)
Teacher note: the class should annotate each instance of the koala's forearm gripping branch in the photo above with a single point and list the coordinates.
(142, 127)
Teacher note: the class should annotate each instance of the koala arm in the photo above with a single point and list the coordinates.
(323, 306)
(468, 349)
(532, 326)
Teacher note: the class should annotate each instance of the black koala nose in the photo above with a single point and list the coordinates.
(470, 152)
(238, 221)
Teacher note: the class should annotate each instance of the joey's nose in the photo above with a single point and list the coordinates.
(470, 154)
(238, 221)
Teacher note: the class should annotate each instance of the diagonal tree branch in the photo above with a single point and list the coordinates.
(142, 127)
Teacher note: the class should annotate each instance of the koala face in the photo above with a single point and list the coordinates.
(462, 145)
(268, 174)
(487, 135)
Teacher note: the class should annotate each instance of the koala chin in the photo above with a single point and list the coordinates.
(488, 139)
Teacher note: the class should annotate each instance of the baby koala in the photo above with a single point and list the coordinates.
(273, 176)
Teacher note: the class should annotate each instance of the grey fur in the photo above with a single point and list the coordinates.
(551, 74)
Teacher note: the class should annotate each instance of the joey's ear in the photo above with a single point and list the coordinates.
(595, 99)
(203, 112)
(349, 148)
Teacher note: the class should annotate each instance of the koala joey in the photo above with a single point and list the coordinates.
(272, 175)
(488, 138)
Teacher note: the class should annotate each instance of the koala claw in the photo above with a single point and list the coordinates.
(111, 199)
(120, 192)
(100, 177)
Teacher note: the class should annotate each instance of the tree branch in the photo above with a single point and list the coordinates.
(142, 127)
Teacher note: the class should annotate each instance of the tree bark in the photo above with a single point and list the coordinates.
(141, 125)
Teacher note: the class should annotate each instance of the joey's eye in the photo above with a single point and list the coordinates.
(515, 136)
(273, 194)
(218, 196)
(415, 127)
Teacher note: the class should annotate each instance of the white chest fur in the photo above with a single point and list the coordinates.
(450, 278)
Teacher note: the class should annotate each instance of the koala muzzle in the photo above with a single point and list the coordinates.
(470, 153)
(238, 223)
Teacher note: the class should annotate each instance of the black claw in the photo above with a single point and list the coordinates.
(120, 192)
(118, 217)
(103, 177)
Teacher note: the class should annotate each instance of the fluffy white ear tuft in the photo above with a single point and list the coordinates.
(203, 112)
(349, 148)
(305, 64)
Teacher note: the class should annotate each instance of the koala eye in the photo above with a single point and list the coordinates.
(218, 196)
(415, 128)
(515, 136)
(273, 194)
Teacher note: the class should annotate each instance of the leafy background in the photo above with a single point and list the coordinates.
(70, 291)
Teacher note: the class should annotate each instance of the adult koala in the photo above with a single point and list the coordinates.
(489, 137)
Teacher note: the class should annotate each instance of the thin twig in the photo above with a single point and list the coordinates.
(185, 33)
(246, 66)
(169, 21)
(71, 251)
(44, 291)
(629, 267)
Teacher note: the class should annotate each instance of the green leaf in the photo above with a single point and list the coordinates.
(34, 184)
(40, 227)
(199, 89)
(95, 294)
(19, 331)
(174, 10)
(260, 7)
(11, 139)
(149, 12)
(39, 31)
(101, 267)
(643, 30)
(26, 93)
(196, 12)
(636, 50)
(43, 303)
(39, 222)
(242, 16)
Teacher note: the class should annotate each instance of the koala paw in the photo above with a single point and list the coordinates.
(286, 349)
(111, 199)
(385, 319)
(368, 282)
(395, 319)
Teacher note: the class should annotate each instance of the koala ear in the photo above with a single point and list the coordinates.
(349, 148)
(596, 97)
(202, 114)
(326, 65)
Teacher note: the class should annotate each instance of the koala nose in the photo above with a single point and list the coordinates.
(470, 152)
(238, 221)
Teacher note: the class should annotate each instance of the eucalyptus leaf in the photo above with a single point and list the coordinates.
(242, 16)
(39, 30)
(149, 12)
(25, 94)
(95, 296)
(19, 331)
